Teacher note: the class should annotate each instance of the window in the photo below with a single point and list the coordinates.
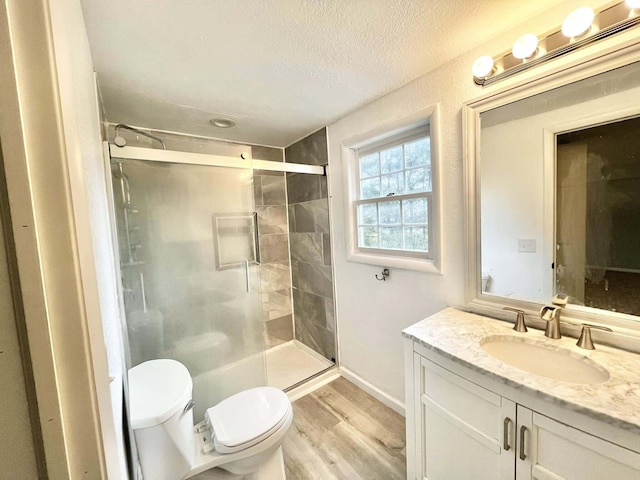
(393, 193)
(394, 196)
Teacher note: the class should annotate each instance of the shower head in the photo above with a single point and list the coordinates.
(121, 142)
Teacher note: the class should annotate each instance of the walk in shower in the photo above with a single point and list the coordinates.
(206, 269)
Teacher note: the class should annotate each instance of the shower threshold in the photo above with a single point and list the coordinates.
(293, 363)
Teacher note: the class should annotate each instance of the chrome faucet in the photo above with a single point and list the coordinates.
(551, 314)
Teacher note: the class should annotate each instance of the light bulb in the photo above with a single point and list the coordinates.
(633, 3)
(578, 22)
(482, 67)
(525, 46)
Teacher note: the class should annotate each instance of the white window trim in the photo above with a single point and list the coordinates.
(380, 135)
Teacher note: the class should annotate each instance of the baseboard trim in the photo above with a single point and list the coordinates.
(335, 373)
(388, 400)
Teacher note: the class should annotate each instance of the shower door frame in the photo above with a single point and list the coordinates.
(188, 158)
(111, 150)
(176, 157)
(172, 156)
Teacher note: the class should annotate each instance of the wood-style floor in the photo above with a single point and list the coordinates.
(341, 432)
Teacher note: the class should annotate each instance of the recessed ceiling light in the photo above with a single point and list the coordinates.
(222, 122)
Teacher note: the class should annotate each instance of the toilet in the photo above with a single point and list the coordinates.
(240, 437)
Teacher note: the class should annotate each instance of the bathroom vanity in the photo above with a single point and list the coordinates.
(471, 415)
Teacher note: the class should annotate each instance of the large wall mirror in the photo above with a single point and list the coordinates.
(555, 186)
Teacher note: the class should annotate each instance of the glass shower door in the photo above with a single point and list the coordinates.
(190, 276)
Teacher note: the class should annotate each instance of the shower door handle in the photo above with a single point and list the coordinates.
(256, 238)
(246, 271)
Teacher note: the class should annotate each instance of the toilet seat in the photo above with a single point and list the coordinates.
(247, 418)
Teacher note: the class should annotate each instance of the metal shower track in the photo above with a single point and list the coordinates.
(169, 156)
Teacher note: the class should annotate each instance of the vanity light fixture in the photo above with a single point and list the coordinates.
(582, 27)
(525, 47)
(578, 22)
(483, 67)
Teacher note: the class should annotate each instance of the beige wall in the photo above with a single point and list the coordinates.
(18, 458)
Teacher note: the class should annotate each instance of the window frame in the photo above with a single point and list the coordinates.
(394, 251)
(420, 132)
(388, 135)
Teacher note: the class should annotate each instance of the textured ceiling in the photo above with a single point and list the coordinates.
(280, 68)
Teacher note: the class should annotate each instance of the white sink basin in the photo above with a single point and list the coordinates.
(545, 360)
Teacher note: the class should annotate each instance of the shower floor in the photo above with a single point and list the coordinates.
(293, 362)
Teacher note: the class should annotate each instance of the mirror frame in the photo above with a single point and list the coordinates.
(609, 54)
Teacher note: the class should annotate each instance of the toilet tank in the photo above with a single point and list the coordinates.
(160, 399)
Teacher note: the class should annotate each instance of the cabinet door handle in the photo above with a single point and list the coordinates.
(523, 430)
(505, 434)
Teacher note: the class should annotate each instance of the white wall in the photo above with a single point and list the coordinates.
(81, 121)
(511, 184)
(182, 143)
(371, 314)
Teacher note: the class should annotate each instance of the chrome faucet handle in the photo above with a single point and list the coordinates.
(520, 325)
(585, 336)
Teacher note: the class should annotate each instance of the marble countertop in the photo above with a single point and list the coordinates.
(457, 335)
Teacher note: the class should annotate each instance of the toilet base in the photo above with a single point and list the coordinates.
(272, 469)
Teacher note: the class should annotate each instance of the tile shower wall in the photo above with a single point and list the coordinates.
(311, 269)
(275, 270)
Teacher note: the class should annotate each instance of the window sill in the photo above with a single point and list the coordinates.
(417, 264)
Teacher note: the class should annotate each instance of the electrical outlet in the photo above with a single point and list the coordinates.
(527, 245)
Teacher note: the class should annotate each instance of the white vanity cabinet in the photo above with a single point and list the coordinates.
(552, 450)
(459, 430)
(465, 431)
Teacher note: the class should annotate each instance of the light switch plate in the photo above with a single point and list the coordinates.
(527, 245)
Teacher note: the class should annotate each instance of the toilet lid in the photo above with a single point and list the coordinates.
(248, 415)
(158, 389)
(284, 423)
